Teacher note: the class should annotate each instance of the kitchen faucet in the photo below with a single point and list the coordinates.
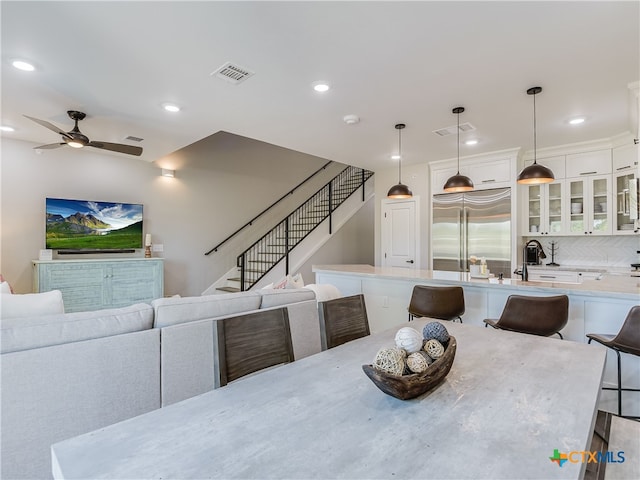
(541, 254)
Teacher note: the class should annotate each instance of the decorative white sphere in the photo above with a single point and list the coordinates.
(409, 339)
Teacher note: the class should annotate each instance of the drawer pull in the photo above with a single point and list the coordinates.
(489, 180)
(588, 173)
(547, 276)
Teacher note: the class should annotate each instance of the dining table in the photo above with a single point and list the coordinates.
(510, 407)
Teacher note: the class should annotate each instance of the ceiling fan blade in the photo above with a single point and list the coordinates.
(48, 125)
(117, 147)
(49, 146)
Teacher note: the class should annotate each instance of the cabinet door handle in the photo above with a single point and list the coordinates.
(588, 173)
(409, 261)
(623, 168)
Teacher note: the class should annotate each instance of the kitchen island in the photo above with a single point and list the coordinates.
(595, 306)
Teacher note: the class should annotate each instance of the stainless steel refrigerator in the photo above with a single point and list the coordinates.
(474, 223)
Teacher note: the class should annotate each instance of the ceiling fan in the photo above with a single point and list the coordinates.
(76, 139)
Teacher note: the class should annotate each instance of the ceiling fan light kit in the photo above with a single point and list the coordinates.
(76, 139)
(535, 174)
(400, 190)
(458, 182)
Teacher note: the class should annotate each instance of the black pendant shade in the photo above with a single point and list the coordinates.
(535, 174)
(400, 190)
(458, 183)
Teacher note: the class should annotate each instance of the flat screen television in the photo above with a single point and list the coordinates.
(85, 226)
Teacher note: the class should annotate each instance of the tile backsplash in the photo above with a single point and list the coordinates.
(616, 251)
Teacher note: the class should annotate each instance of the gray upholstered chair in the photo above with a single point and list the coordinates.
(544, 316)
(627, 340)
(249, 343)
(342, 320)
(443, 303)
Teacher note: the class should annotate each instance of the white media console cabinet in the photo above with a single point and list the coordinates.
(96, 284)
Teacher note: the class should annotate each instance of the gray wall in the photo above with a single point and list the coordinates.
(220, 183)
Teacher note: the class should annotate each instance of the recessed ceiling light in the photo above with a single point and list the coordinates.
(577, 120)
(22, 65)
(321, 87)
(471, 142)
(170, 107)
(6, 128)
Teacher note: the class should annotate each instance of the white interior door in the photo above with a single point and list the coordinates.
(400, 233)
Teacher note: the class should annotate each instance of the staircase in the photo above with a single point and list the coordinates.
(276, 245)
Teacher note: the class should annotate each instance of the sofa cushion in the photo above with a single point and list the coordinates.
(31, 304)
(41, 331)
(277, 298)
(172, 311)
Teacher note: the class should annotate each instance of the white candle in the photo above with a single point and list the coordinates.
(147, 240)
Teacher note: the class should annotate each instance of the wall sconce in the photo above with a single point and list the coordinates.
(166, 172)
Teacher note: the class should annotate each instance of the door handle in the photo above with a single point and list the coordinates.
(409, 261)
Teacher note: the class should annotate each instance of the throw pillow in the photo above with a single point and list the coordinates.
(5, 288)
(294, 281)
(31, 304)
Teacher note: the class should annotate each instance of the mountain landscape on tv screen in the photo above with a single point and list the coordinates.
(84, 230)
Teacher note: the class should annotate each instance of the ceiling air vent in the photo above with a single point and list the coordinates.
(232, 73)
(464, 127)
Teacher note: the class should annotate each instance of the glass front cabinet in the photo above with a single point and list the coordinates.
(625, 171)
(589, 205)
(546, 209)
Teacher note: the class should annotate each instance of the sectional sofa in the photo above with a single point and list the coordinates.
(67, 374)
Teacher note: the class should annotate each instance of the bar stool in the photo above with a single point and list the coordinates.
(626, 341)
(544, 316)
(443, 303)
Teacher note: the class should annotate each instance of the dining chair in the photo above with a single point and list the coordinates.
(252, 342)
(443, 303)
(627, 340)
(544, 316)
(342, 320)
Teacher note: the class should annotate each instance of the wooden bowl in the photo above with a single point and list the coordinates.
(405, 387)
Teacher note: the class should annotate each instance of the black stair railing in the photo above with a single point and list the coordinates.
(250, 222)
(257, 260)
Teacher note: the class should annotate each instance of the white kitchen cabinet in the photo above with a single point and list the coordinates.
(561, 276)
(97, 284)
(625, 158)
(597, 162)
(588, 205)
(488, 171)
(625, 168)
(546, 213)
(488, 174)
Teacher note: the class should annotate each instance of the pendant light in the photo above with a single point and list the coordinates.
(535, 173)
(458, 183)
(400, 190)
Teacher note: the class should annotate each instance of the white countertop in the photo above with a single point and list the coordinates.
(611, 285)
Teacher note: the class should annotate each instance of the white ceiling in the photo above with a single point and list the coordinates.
(387, 62)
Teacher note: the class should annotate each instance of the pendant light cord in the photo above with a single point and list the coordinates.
(534, 130)
(458, 142)
(400, 155)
